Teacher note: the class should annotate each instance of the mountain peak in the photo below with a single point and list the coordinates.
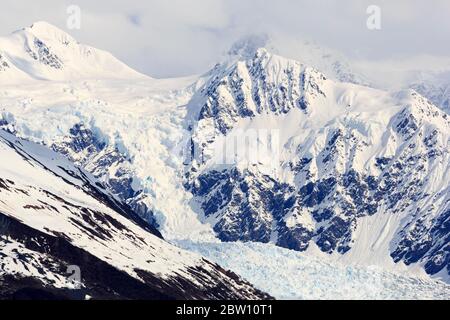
(248, 46)
(43, 25)
(47, 31)
(44, 51)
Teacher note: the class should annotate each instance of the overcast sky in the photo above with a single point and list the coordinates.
(180, 37)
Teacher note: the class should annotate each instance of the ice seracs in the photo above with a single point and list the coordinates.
(358, 178)
(54, 215)
(296, 275)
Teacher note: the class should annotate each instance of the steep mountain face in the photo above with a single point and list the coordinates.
(262, 84)
(107, 163)
(352, 171)
(347, 152)
(55, 217)
(328, 61)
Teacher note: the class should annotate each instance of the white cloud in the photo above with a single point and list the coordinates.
(178, 37)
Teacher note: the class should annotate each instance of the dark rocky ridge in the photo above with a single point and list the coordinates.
(56, 250)
(102, 281)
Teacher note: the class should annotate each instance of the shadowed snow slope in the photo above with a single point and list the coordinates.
(54, 215)
(359, 173)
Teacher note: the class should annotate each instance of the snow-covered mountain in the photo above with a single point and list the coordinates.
(436, 87)
(54, 215)
(328, 61)
(347, 152)
(357, 176)
(42, 51)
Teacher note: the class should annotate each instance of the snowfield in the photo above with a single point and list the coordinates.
(143, 120)
(359, 186)
(287, 274)
(54, 215)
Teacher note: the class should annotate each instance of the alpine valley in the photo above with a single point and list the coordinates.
(117, 173)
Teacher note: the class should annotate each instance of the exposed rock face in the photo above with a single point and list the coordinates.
(246, 204)
(337, 178)
(356, 168)
(40, 52)
(107, 163)
(264, 83)
(58, 217)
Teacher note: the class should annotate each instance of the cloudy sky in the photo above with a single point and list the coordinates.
(180, 37)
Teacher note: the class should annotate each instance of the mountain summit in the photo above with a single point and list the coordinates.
(43, 51)
(357, 177)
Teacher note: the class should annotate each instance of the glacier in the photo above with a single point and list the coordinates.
(291, 275)
(358, 181)
(55, 216)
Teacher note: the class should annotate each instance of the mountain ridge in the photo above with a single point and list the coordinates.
(44, 231)
(335, 162)
(43, 51)
(358, 177)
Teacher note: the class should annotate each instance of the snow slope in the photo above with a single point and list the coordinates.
(134, 126)
(358, 177)
(47, 204)
(328, 61)
(45, 52)
(346, 152)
